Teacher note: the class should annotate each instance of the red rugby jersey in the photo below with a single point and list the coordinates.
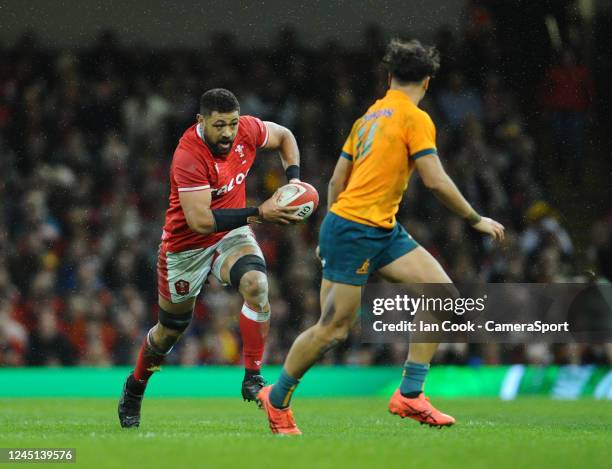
(195, 167)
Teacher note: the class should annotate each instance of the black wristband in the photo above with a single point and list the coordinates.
(292, 172)
(229, 218)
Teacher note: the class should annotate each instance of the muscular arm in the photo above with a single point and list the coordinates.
(204, 220)
(196, 207)
(437, 181)
(339, 180)
(281, 138)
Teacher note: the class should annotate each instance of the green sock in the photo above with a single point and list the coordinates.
(280, 395)
(414, 377)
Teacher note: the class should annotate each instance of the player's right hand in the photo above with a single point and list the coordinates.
(490, 227)
(271, 212)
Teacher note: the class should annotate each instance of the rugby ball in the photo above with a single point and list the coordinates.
(300, 195)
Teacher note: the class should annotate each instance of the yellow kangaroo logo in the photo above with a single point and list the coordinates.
(365, 267)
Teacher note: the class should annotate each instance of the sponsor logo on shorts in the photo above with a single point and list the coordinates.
(182, 287)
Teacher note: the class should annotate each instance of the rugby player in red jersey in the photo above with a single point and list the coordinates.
(206, 232)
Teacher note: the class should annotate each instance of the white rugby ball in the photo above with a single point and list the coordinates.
(300, 195)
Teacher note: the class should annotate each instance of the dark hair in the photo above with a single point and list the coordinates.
(410, 61)
(220, 100)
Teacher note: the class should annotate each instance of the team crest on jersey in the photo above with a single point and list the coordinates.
(240, 150)
(182, 287)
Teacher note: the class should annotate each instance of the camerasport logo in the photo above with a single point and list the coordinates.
(182, 287)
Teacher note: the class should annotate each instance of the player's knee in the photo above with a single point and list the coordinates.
(245, 265)
(447, 290)
(341, 332)
(254, 287)
(443, 292)
(170, 327)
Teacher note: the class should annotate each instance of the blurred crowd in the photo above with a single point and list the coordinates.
(86, 140)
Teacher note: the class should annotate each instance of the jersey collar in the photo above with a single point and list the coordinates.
(397, 94)
(200, 133)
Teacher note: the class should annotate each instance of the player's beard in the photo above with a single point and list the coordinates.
(219, 150)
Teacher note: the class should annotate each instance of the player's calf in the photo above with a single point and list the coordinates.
(254, 328)
(254, 320)
(328, 336)
(159, 343)
(312, 344)
(156, 345)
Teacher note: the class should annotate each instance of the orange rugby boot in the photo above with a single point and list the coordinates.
(281, 420)
(419, 409)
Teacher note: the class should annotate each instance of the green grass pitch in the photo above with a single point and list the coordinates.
(338, 433)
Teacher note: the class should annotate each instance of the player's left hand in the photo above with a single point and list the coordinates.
(271, 212)
(490, 227)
